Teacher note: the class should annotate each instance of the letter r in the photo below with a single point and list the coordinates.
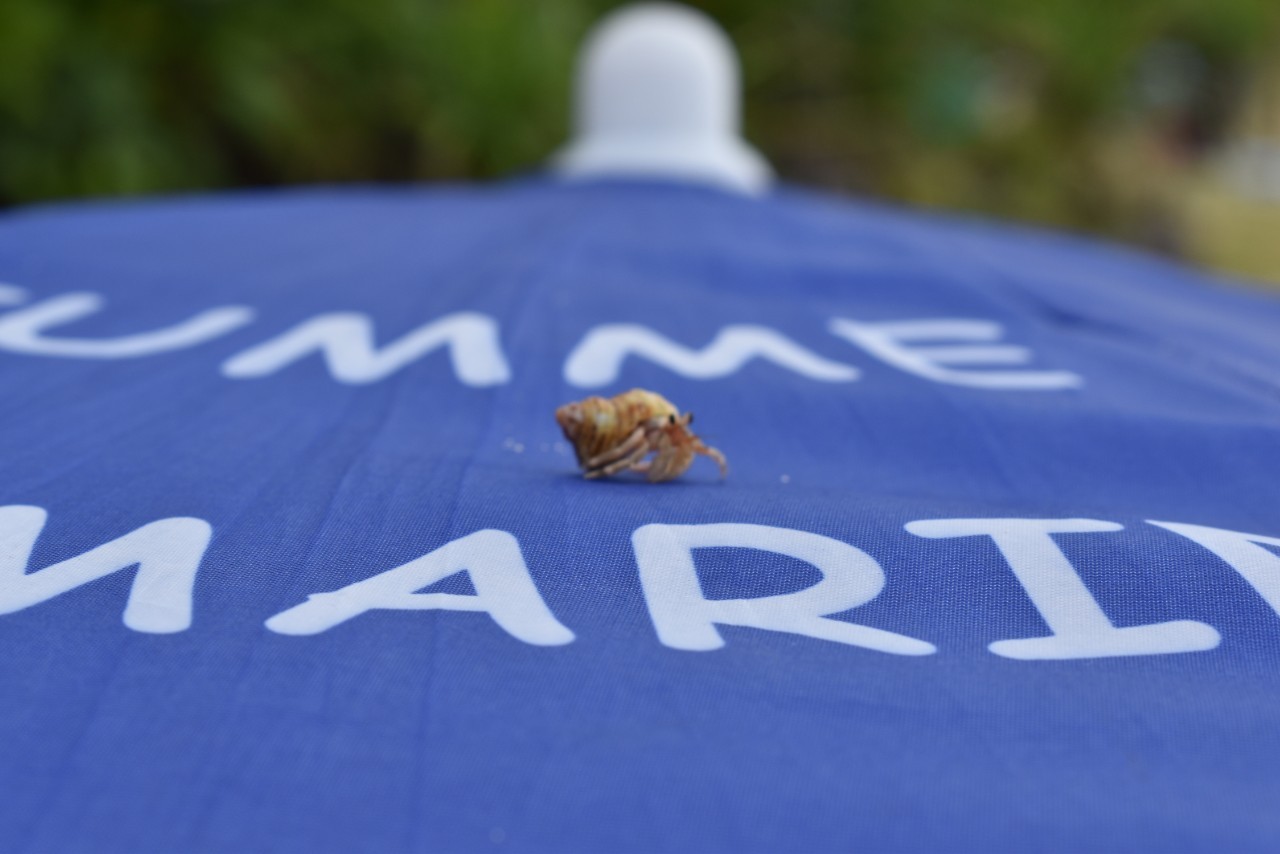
(685, 619)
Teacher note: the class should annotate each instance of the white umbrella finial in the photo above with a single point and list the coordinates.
(658, 95)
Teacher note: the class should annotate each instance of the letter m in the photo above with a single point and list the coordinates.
(598, 359)
(166, 552)
(346, 341)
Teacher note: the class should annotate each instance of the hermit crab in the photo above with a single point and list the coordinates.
(614, 434)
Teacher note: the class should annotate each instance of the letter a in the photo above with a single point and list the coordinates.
(491, 558)
(684, 619)
(167, 553)
(1080, 628)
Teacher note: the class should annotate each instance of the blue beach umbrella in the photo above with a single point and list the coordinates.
(294, 556)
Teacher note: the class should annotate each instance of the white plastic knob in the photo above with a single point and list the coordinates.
(658, 95)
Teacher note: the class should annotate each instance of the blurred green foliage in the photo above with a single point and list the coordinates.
(1003, 106)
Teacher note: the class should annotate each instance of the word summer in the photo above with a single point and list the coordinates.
(167, 554)
(955, 351)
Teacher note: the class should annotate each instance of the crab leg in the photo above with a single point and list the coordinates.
(715, 455)
(617, 452)
(626, 462)
(670, 462)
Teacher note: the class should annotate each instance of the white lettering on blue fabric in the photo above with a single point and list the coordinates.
(22, 330)
(899, 344)
(491, 559)
(1243, 552)
(952, 351)
(1080, 627)
(346, 341)
(685, 619)
(597, 360)
(166, 552)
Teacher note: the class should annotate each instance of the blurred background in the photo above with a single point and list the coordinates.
(1155, 122)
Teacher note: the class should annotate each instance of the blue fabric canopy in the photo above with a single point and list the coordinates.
(996, 566)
